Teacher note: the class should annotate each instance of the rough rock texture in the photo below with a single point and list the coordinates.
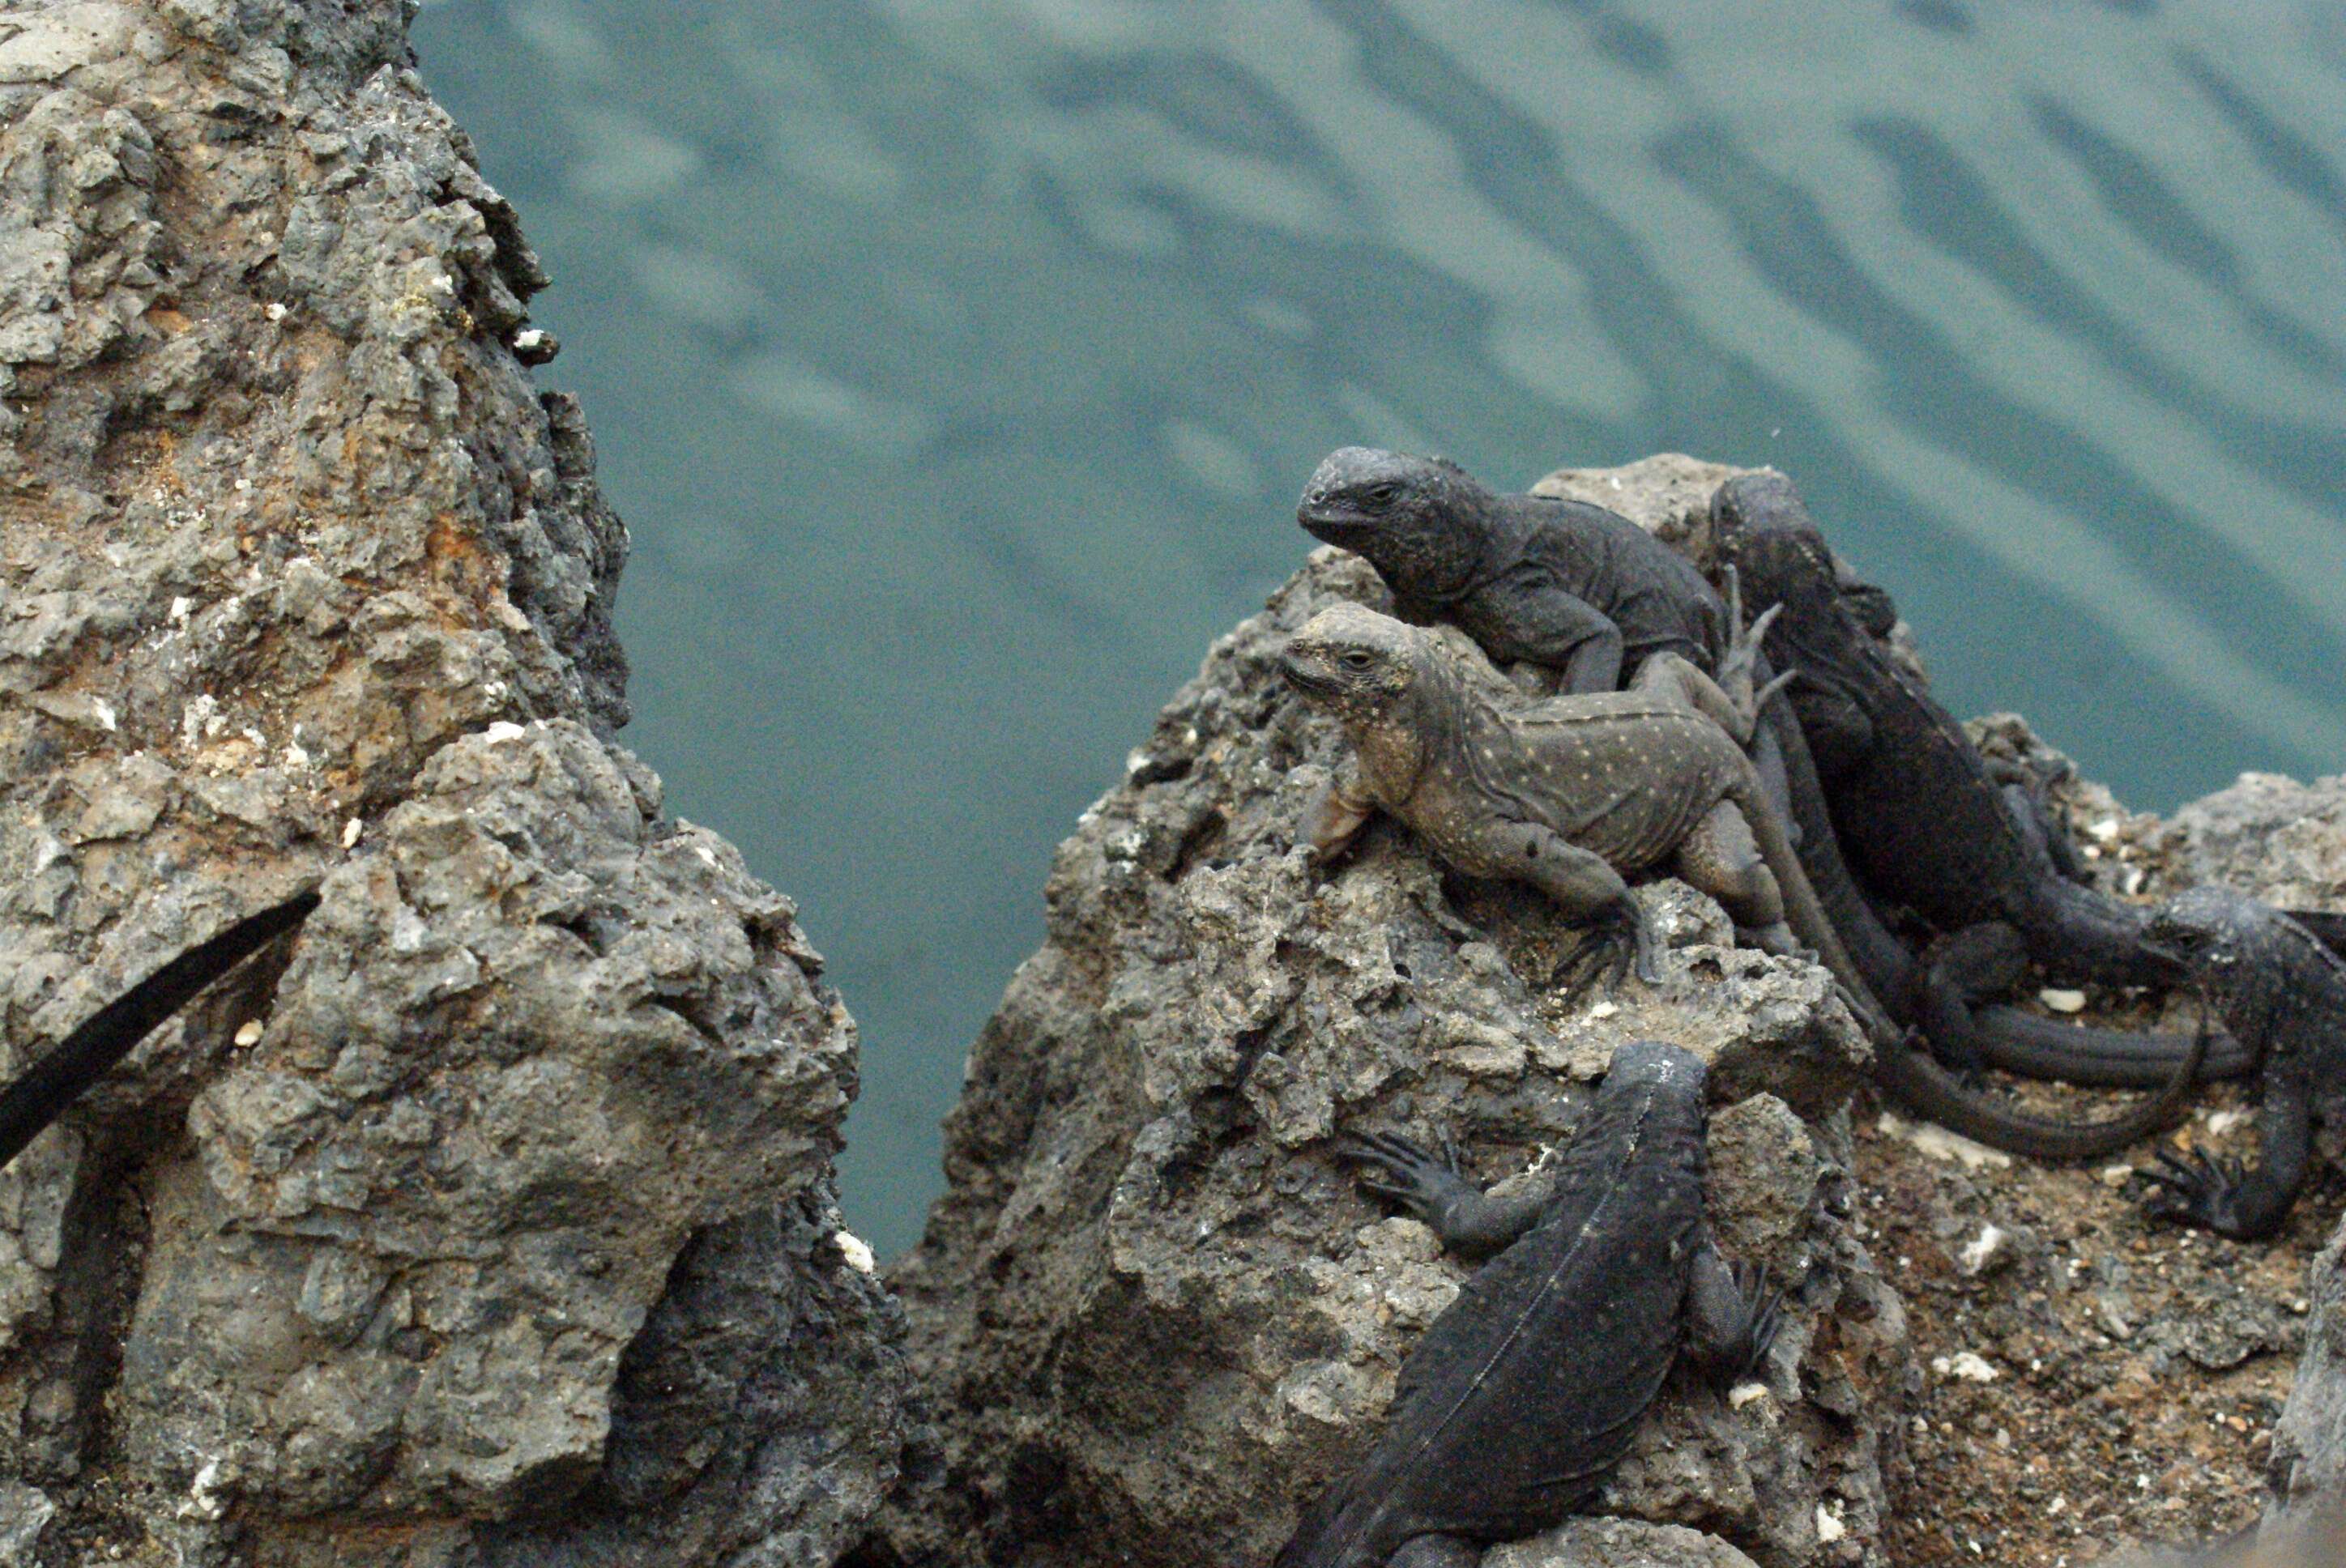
(2309, 1454)
(490, 1222)
(1618, 1543)
(1153, 1312)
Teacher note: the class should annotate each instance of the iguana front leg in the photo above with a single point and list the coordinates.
(1538, 621)
(1336, 816)
(1430, 1188)
(2222, 1194)
(1589, 891)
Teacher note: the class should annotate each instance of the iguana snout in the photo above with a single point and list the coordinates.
(2207, 929)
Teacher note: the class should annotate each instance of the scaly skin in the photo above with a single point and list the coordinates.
(1905, 791)
(1527, 1391)
(2283, 993)
(1912, 801)
(55, 1082)
(1558, 583)
(1567, 794)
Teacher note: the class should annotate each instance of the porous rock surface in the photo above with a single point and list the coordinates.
(490, 1220)
(1152, 1312)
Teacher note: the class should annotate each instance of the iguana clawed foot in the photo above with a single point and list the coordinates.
(1757, 1334)
(1742, 655)
(1399, 1169)
(2204, 1190)
(1606, 952)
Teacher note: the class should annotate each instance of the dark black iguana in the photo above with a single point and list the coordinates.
(1912, 802)
(1930, 827)
(49, 1086)
(2282, 992)
(1557, 583)
(1524, 1393)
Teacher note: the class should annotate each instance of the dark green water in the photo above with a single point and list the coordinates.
(956, 363)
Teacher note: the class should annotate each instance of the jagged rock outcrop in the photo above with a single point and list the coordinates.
(490, 1221)
(1153, 1312)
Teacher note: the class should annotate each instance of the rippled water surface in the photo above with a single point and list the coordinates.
(956, 363)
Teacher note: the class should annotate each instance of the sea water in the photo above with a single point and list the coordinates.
(956, 364)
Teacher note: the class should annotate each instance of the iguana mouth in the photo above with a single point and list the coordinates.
(1331, 520)
(1298, 673)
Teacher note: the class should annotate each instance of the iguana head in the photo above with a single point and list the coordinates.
(1353, 662)
(2218, 937)
(1412, 517)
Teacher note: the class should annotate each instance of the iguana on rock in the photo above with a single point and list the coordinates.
(1912, 800)
(41, 1093)
(1932, 828)
(1525, 1392)
(1568, 793)
(1557, 583)
(1561, 584)
(2283, 991)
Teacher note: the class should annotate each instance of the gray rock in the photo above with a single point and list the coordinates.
(2273, 836)
(1154, 1313)
(1618, 1543)
(492, 1222)
(2308, 1453)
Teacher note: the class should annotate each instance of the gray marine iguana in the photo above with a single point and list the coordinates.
(1569, 793)
(1526, 1392)
(2283, 991)
(45, 1089)
(1557, 583)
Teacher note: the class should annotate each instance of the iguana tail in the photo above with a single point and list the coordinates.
(55, 1082)
(1802, 912)
(1915, 1082)
(2039, 1047)
(1911, 1077)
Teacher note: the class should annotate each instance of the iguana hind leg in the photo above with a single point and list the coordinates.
(1721, 857)
(1733, 1315)
(1589, 891)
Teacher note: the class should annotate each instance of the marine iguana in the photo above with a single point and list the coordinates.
(1910, 799)
(1526, 1392)
(2283, 993)
(1558, 583)
(54, 1083)
(1567, 794)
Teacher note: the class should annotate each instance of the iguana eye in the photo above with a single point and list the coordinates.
(1357, 660)
(1382, 495)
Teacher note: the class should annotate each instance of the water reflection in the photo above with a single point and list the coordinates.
(955, 363)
